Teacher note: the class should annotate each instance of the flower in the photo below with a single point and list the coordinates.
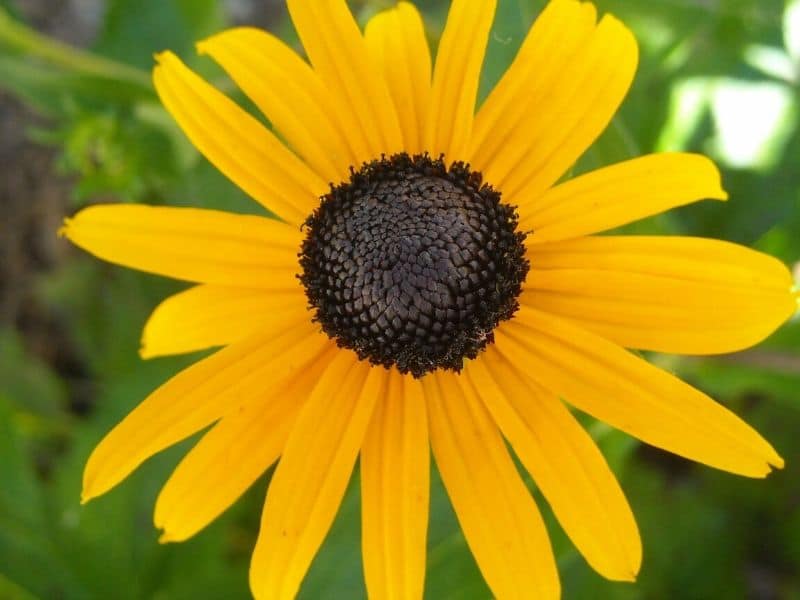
(444, 288)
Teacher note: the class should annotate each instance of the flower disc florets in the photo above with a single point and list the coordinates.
(411, 264)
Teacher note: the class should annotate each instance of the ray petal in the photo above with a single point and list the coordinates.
(456, 76)
(618, 195)
(230, 457)
(669, 294)
(566, 465)
(288, 92)
(204, 246)
(609, 383)
(498, 516)
(312, 475)
(395, 492)
(236, 143)
(206, 316)
(196, 398)
(569, 78)
(396, 40)
(339, 55)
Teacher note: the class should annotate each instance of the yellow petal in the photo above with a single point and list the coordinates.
(395, 492)
(339, 55)
(312, 475)
(669, 294)
(456, 77)
(236, 452)
(497, 513)
(191, 244)
(396, 41)
(210, 315)
(196, 398)
(562, 30)
(289, 94)
(613, 385)
(619, 195)
(555, 100)
(565, 464)
(236, 143)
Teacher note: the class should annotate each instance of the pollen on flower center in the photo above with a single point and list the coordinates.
(412, 264)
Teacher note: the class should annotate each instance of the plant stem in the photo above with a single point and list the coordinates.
(28, 41)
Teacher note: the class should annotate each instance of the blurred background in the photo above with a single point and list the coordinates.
(79, 123)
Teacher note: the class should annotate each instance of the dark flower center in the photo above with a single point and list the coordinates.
(412, 264)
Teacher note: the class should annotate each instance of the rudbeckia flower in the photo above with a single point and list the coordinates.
(427, 281)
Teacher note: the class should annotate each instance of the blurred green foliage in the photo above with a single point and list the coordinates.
(721, 77)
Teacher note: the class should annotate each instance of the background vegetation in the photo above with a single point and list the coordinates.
(718, 76)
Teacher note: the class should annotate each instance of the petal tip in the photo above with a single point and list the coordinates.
(170, 529)
(608, 20)
(777, 463)
(96, 480)
(63, 231)
(627, 576)
(719, 192)
(768, 467)
(203, 47)
(626, 570)
(161, 57)
(167, 538)
(772, 460)
(145, 353)
(146, 350)
(708, 172)
(88, 494)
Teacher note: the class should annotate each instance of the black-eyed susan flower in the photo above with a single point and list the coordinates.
(427, 280)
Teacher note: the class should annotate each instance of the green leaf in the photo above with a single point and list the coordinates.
(135, 29)
(26, 547)
(27, 381)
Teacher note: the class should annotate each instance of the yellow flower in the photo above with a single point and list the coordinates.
(454, 301)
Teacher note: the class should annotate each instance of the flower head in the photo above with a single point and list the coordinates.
(428, 282)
